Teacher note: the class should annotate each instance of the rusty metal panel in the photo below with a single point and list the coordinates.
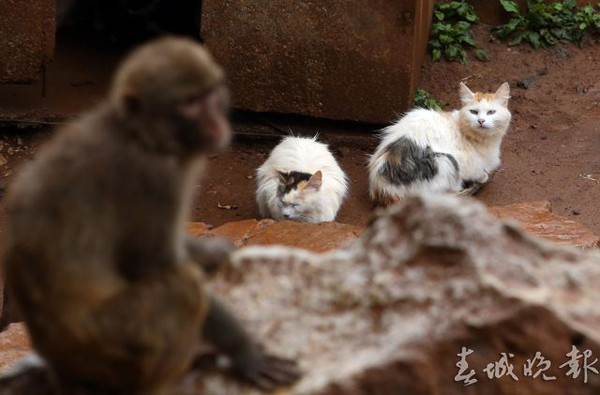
(27, 30)
(352, 60)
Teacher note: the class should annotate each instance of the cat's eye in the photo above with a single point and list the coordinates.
(491, 112)
(475, 112)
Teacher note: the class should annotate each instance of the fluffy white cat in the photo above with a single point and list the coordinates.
(430, 151)
(301, 181)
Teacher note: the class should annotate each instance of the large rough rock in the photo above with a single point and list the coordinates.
(537, 218)
(26, 39)
(356, 60)
(390, 313)
(315, 237)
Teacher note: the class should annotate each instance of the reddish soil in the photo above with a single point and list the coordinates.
(552, 151)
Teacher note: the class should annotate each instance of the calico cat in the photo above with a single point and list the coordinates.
(301, 181)
(430, 151)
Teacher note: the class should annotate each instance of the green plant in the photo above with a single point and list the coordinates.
(451, 32)
(424, 99)
(545, 24)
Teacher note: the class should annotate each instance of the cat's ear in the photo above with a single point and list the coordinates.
(466, 96)
(315, 181)
(503, 94)
(282, 175)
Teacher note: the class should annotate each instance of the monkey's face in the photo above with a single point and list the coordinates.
(208, 115)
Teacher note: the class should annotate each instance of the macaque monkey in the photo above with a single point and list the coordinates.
(97, 255)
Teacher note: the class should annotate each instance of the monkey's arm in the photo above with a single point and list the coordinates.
(209, 253)
(265, 371)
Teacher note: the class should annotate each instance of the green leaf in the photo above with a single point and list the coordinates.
(424, 99)
(471, 17)
(451, 52)
(435, 43)
(517, 40)
(570, 4)
(469, 41)
(534, 39)
(510, 6)
(462, 25)
(436, 55)
(445, 39)
(482, 55)
(582, 26)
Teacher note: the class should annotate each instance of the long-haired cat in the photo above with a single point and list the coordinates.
(301, 181)
(430, 151)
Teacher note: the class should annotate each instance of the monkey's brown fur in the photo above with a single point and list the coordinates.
(103, 272)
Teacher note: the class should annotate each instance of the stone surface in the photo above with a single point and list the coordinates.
(198, 228)
(536, 218)
(14, 345)
(315, 237)
(390, 312)
(26, 39)
(321, 58)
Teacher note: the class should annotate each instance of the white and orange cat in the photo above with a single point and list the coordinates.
(300, 181)
(430, 151)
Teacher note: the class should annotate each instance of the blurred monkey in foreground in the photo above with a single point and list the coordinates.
(97, 255)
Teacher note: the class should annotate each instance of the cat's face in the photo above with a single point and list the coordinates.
(485, 113)
(299, 195)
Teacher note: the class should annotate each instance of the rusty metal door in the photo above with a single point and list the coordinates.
(27, 31)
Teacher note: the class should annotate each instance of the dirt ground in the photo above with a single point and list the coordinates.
(552, 151)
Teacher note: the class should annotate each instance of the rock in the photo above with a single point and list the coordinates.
(14, 345)
(391, 312)
(320, 58)
(198, 228)
(536, 218)
(528, 82)
(241, 231)
(26, 39)
(315, 237)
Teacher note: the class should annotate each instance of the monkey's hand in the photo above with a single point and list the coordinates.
(250, 363)
(267, 372)
(210, 253)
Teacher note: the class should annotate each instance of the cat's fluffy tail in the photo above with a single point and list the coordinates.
(403, 167)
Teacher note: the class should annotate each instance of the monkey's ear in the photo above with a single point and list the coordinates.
(283, 175)
(316, 181)
(130, 102)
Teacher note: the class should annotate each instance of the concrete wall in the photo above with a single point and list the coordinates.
(356, 60)
(26, 39)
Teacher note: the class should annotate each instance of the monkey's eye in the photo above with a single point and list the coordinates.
(491, 112)
(475, 112)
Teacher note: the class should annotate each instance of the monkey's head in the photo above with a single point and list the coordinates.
(173, 94)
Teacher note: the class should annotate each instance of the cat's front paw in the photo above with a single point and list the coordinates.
(483, 179)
